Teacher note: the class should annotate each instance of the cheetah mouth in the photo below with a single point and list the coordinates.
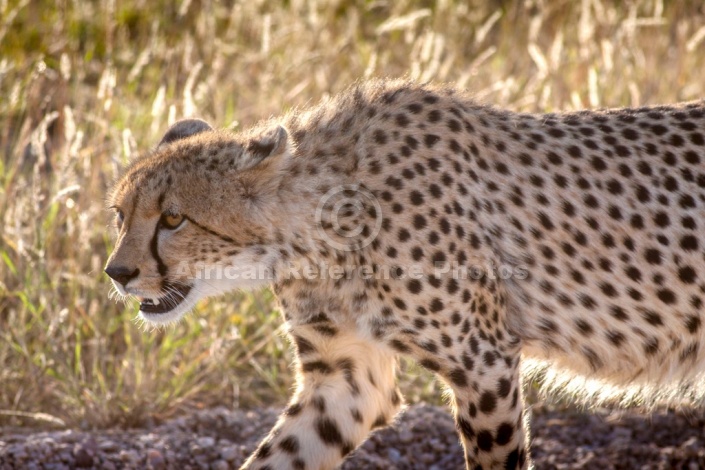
(176, 294)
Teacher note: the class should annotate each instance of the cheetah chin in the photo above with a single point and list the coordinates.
(169, 308)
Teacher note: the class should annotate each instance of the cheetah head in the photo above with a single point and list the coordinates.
(196, 217)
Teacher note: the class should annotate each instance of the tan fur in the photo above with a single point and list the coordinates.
(597, 217)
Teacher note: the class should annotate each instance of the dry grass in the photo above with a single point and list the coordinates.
(86, 85)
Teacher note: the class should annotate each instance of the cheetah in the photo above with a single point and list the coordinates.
(399, 219)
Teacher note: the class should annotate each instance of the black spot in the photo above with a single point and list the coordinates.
(434, 115)
(458, 377)
(687, 274)
(614, 187)
(416, 198)
(328, 431)
(505, 431)
(465, 428)
(430, 346)
(415, 108)
(574, 151)
(555, 132)
(436, 305)
(598, 163)
(264, 451)
(693, 324)
(356, 415)
(554, 158)
(379, 136)
(504, 387)
(677, 140)
(653, 256)
(658, 129)
(615, 337)
(317, 366)
(584, 327)
(430, 140)
(326, 330)
(399, 303)
(488, 402)
(630, 134)
(484, 441)
(303, 346)
(689, 243)
(608, 289)
(293, 409)
(289, 444)
(414, 286)
(514, 460)
(489, 358)
(430, 365)
(435, 191)
(379, 422)
(661, 219)
(666, 296)
(651, 346)
(545, 221)
(402, 120)
(419, 222)
(399, 346)
(643, 194)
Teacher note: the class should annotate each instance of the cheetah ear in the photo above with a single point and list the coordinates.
(184, 128)
(271, 143)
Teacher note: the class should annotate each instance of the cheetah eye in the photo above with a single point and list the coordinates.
(171, 221)
(119, 218)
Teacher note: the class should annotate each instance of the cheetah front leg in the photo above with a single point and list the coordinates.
(487, 405)
(345, 387)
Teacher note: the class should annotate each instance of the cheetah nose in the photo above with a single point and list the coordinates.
(121, 274)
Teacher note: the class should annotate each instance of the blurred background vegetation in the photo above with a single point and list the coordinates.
(85, 85)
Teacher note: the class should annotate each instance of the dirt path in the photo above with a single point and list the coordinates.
(423, 438)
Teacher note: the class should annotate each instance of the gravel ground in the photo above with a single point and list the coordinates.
(423, 438)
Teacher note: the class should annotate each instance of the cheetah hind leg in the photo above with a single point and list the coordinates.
(488, 410)
(345, 388)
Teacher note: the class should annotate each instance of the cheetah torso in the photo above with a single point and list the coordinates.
(484, 235)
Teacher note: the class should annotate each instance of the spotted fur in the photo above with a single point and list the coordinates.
(582, 233)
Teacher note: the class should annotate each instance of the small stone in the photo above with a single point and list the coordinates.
(406, 436)
(220, 465)
(691, 443)
(108, 446)
(20, 453)
(83, 458)
(129, 456)
(427, 458)
(394, 455)
(155, 459)
(202, 462)
(229, 453)
(205, 442)
(108, 465)
(196, 449)
(65, 455)
(56, 466)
